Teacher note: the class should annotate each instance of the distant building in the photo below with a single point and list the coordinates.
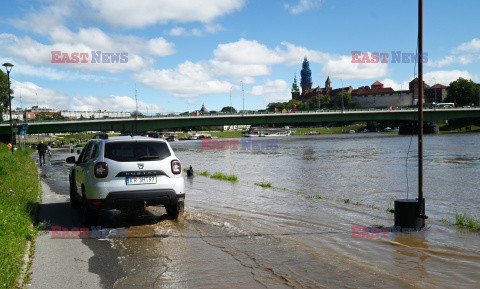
(379, 96)
(203, 110)
(306, 83)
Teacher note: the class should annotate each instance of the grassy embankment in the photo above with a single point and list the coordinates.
(19, 190)
(331, 130)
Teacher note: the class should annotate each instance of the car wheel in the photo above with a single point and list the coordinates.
(175, 211)
(74, 202)
(89, 216)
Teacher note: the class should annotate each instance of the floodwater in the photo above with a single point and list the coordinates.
(298, 233)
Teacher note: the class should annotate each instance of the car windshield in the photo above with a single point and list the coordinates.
(136, 151)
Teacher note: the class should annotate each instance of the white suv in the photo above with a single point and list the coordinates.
(126, 173)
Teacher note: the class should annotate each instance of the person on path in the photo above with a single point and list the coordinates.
(42, 149)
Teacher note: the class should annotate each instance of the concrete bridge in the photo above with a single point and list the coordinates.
(166, 122)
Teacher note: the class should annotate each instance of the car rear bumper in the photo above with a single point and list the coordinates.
(119, 200)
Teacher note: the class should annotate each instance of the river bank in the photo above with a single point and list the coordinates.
(19, 191)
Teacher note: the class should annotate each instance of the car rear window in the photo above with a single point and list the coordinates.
(136, 151)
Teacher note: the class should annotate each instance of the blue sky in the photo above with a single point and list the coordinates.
(185, 53)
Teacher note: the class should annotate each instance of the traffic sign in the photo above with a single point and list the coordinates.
(25, 126)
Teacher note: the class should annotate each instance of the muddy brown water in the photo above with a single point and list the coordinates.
(298, 234)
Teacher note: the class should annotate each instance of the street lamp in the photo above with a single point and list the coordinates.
(342, 94)
(8, 67)
(435, 89)
(231, 100)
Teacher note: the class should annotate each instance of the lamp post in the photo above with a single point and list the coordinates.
(342, 94)
(435, 89)
(8, 67)
(231, 100)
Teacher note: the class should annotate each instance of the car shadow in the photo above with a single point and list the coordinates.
(62, 215)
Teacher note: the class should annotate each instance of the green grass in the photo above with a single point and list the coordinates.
(19, 190)
(316, 196)
(224, 177)
(227, 134)
(467, 221)
(332, 130)
(204, 173)
(264, 185)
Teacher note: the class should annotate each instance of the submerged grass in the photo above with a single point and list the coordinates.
(19, 190)
(204, 173)
(466, 221)
(224, 177)
(264, 185)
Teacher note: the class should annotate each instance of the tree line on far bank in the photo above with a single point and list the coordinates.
(462, 92)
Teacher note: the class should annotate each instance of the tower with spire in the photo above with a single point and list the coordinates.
(328, 84)
(295, 88)
(306, 76)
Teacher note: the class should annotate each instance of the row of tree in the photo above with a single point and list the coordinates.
(463, 92)
(317, 102)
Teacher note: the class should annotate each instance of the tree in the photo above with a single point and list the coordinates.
(463, 92)
(4, 101)
(228, 109)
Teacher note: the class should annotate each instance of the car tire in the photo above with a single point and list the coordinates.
(74, 202)
(89, 216)
(175, 211)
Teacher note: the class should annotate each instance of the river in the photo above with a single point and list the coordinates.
(298, 233)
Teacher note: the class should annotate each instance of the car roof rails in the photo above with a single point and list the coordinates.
(100, 136)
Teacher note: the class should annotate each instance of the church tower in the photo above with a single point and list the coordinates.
(306, 76)
(328, 84)
(295, 89)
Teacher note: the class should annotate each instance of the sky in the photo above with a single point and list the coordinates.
(177, 55)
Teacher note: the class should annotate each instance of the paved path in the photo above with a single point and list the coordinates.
(69, 263)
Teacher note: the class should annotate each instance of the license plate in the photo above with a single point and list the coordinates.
(141, 180)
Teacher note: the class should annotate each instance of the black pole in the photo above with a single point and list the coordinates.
(10, 105)
(420, 109)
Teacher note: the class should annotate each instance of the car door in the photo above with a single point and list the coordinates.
(81, 166)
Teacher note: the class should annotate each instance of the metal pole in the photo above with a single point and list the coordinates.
(342, 95)
(420, 106)
(243, 96)
(231, 100)
(10, 101)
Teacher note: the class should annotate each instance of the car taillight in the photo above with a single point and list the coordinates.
(101, 170)
(176, 167)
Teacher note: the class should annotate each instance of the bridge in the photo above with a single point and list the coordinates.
(166, 122)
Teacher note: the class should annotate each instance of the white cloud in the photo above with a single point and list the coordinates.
(187, 80)
(302, 6)
(87, 40)
(207, 29)
(273, 91)
(142, 13)
(246, 52)
(446, 76)
(443, 77)
(395, 85)
(472, 46)
(111, 103)
(29, 94)
(343, 68)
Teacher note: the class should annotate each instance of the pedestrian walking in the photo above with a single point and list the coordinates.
(42, 149)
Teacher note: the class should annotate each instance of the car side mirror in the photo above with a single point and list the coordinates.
(70, 160)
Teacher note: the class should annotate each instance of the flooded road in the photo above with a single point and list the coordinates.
(298, 233)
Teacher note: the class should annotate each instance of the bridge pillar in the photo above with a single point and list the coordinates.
(412, 128)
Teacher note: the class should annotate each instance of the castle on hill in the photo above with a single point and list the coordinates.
(375, 95)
